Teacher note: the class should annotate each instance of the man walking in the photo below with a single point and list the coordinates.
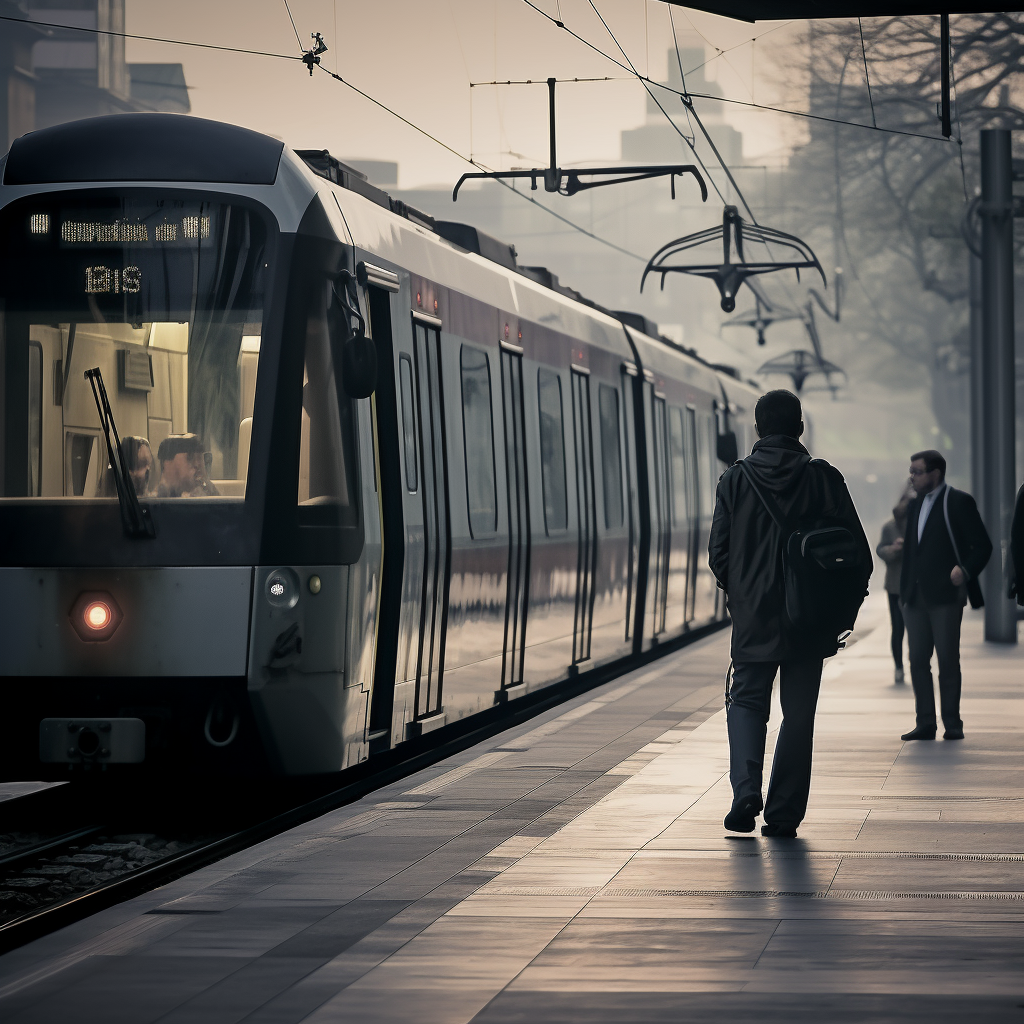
(746, 558)
(944, 551)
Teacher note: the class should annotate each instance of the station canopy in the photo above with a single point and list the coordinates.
(790, 10)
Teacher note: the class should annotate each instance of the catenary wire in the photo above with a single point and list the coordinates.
(668, 117)
(298, 38)
(725, 99)
(285, 56)
(148, 39)
(475, 163)
(678, 130)
(554, 21)
(867, 77)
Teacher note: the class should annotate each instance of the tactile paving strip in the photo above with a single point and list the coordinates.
(834, 894)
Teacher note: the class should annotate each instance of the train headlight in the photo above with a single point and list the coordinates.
(282, 588)
(95, 616)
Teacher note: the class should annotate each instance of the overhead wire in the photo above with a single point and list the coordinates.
(956, 110)
(867, 77)
(668, 117)
(147, 39)
(724, 99)
(682, 76)
(483, 167)
(298, 38)
(284, 56)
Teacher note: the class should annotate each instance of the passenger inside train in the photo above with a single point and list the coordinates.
(138, 456)
(183, 468)
(166, 302)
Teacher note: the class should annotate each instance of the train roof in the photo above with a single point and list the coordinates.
(143, 147)
(472, 239)
(161, 147)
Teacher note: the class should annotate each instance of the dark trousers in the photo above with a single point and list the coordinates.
(748, 707)
(938, 629)
(896, 621)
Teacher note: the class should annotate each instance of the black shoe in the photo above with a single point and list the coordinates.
(953, 734)
(744, 810)
(920, 733)
(779, 831)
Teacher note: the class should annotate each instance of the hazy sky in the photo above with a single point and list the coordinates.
(419, 56)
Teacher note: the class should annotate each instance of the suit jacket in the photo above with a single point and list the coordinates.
(927, 564)
(1017, 547)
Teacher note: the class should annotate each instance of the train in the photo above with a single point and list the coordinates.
(294, 474)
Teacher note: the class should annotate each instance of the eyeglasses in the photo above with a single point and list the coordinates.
(919, 472)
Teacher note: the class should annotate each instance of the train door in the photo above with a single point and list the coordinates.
(518, 580)
(586, 516)
(660, 498)
(633, 511)
(693, 496)
(426, 566)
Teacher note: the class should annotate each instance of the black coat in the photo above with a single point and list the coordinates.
(746, 545)
(1017, 547)
(926, 566)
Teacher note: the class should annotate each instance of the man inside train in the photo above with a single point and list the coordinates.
(182, 466)
(759, 504)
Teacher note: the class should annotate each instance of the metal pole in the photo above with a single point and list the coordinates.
(999, 378)
(977, 392)
(945, 115)
(552, 177)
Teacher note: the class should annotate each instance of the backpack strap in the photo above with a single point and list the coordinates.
(949, 529)
(770, 504)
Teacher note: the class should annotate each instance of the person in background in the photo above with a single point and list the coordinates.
(181, 465)
(1017, 549)
(944, 551)
(139, 458)
(890, 551)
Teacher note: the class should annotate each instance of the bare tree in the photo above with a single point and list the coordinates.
(893, 201)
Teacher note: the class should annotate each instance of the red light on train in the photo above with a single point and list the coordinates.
(95, 616)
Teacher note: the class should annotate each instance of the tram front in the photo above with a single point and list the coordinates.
(174, 473)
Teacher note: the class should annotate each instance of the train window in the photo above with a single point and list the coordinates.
(408, 422)
(325, 443)
(165, 296)
(707, 493)
(35, 417)
(611, 456)
(478, 434)
(552, 450)
(678, 459)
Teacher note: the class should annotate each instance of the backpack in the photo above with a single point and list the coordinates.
(823, 573)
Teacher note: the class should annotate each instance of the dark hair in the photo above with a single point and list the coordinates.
(778, 412)
(175, 444)
(932, 460)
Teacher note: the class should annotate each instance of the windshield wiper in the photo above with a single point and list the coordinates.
(135, 517)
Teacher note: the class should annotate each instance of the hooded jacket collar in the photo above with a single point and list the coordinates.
(778, 462)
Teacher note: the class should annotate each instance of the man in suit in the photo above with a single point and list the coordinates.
(1017, 550)
(944, 551)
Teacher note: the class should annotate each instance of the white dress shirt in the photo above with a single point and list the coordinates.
(927, 503)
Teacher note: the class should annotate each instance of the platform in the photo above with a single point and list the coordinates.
(576, 869)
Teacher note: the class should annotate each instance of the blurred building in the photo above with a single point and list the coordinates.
(657, 141)
(52, 73)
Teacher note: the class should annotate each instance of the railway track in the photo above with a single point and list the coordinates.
(114, 843)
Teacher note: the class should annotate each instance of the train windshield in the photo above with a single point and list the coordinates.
(165, 297)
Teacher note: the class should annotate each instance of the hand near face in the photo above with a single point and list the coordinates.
(898, 543)
(956, 577)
